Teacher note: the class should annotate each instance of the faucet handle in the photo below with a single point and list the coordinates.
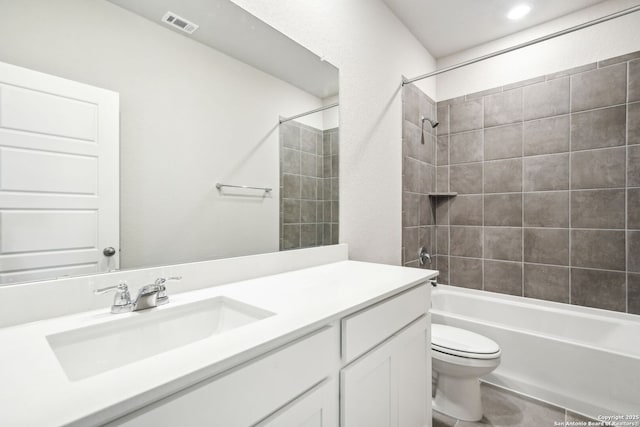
(163, 298)
(122, 298)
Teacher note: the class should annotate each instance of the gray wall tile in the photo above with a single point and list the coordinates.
(544, 173)
(599, 88)
(598, 209)
(607, 163)
(411, 104)
(308, 164)
(503, 108)
(442, 240)
(442, 112)
(308, 140)
(466, 116)
(503, 142)
(547, 209)
(599, 128)
(466, 179)
(503, 210)
(308, 235)
(588, 114)
(633, 208)
(503, 277)
(634, 80)
(598, 249)
(465, 147)
(599, 289)
(465, 272)
(503, 243)
(411, 243)
(546, 246)
(442, 211)
(634, 251)
(290, 161)
(411, 178)
(465, 241)
(291, 236)
(633, 293)
(546, 136)
(427, 212)
(466, 210)
(550, 98)
(633, 123)
(410, 209)
(291, 186)
(442, 178)
(442, 263)
(546, 282)
(501, 176)
(427, 178)
(291, 211)
(308, 211)
(442, 150)
(633, 166)
(308, 188)
(290, 135)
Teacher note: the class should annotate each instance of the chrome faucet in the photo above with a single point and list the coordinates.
(149, 296)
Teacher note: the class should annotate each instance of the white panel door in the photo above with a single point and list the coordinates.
(59, 202)
(387, 387)
(316, 408)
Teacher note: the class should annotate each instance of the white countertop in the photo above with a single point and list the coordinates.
(34, 390)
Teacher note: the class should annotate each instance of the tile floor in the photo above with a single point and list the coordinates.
(506, 409)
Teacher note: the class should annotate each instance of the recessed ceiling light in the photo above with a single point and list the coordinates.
(519, 12)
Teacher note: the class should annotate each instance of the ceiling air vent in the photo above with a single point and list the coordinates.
(179, 22)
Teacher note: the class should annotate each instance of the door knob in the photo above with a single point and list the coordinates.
(110, 251)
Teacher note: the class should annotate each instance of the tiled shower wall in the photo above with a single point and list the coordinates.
(419, 175)
(308, 186)
(547, 173)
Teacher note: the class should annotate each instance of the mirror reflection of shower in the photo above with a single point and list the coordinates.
(309, 176)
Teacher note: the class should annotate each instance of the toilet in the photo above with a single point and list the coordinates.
(460, 358)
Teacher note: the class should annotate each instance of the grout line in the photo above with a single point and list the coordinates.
(626, 197)
(483, 192)
(570, 182)
(522, 195)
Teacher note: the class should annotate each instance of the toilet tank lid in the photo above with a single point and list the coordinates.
(462, 340)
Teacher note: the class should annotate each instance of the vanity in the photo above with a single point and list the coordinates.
(337, 342)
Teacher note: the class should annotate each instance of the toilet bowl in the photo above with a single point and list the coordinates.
(460, 358)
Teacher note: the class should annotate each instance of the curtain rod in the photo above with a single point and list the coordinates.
(526, 44)
(326, 107)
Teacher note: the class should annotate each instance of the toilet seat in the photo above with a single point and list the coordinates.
(462, 343)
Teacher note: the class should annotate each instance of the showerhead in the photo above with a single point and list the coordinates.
(434, 124)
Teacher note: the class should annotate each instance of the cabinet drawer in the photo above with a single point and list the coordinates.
(367, 328)
(247, 394)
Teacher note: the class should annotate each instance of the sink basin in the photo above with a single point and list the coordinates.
(91, 350)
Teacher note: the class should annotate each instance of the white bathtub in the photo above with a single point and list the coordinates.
(583, 359)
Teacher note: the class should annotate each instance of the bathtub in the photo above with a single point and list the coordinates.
(582, 359)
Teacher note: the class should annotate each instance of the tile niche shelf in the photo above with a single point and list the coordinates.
(441, 194)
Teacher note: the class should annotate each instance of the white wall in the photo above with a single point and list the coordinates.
(372, 49)
(191, 116)
(609, 39)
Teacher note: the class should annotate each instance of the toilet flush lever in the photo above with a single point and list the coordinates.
(423, 256)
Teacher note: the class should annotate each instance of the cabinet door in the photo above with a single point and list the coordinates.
(388, 387)
(316, 408)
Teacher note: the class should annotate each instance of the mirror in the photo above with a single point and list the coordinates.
(189, 110)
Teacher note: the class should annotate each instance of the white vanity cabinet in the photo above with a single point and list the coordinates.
(367, 369)
(249, 393)
(389, 385)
